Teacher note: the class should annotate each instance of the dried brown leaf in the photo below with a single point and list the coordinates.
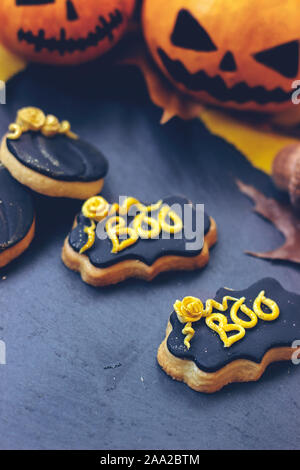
(283, 218)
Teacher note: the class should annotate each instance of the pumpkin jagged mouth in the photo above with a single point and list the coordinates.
(69, 45)
(217, 88)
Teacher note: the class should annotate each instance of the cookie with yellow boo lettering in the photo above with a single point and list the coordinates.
(44, 154)
(233, 338)
(112, 242)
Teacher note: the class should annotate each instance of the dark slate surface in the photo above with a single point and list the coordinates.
(59, 388)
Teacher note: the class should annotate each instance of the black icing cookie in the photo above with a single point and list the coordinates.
(16, 217)
(147, 251)
(44, 154)
(146, 257)
(59, 157)
(207, 351)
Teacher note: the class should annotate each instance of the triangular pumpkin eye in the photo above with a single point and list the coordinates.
(189, 34)
(284, 58)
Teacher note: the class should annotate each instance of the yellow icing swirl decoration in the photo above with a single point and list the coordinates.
(143, 226)
(90, 231)
(163, 214)
(34, 119)
(189, 331)
(116, 226)
(223, 326)
(95, 208)
(191, 310)
(269, 303)
(141, 219)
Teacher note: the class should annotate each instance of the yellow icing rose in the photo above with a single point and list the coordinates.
(96, 208)
(51, 126)
(190, 309)
(31, 119)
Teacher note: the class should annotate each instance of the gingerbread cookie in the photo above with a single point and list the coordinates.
(233, 339)
(17, 220)
(136, 240)
(45, 155)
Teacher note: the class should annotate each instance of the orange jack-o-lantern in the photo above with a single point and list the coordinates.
(242, 54)
(63, 31)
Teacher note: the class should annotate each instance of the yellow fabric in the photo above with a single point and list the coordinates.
(258, 146)
(9, 64)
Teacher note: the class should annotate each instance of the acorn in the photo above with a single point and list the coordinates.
(286, 172)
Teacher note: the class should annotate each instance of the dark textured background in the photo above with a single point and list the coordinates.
(58, 389)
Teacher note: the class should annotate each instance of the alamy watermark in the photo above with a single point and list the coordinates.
(2, 92)
(191, 217)
(2, 353)
(296, 93)
(296, 353)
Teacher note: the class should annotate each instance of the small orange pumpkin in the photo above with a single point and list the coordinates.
(63, 31)
(241, 54)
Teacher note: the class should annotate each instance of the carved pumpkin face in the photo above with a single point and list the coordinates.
(63, 31)
(241, 54)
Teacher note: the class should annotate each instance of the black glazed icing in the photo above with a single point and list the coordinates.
(146, 251)
(16, 211)
(59, 157)
(208, 351)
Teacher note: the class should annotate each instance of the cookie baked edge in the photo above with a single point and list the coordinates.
(43, 184)
(240, 370)
(16, 250)
(100, 277)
